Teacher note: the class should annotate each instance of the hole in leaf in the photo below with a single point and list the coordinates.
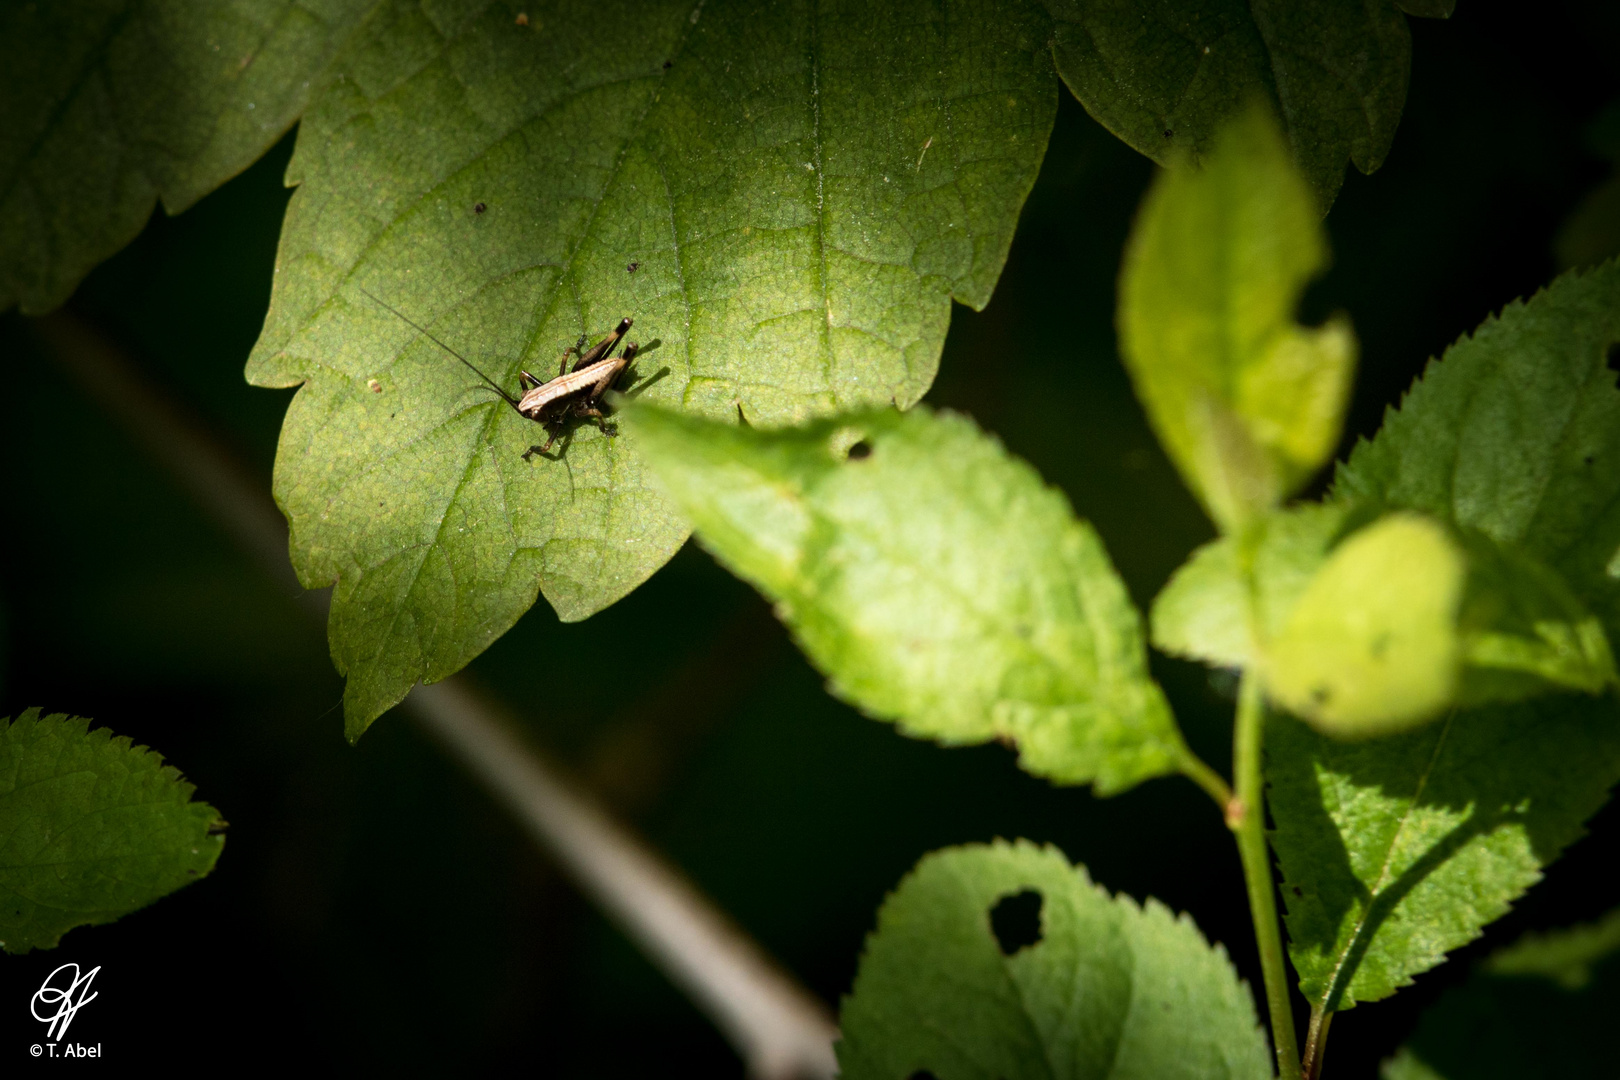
(860, 451)
(1613, 356)
(1016, 921)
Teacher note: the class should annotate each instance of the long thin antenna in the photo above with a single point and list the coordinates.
(509, 399)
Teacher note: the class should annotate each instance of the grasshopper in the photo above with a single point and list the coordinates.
(574, 394)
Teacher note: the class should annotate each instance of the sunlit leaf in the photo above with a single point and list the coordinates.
(786, 198)
(91, 828)
(934, 579)
(1395, 851)
(1543, 1006)
(1371, 645)
(1247, 402)
(1210, 610)
(111, 105)
(1109, 990)
(1373, 635)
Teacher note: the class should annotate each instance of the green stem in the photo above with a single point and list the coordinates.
(1247, 819)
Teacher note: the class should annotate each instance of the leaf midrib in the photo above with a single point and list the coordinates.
(1334, 986)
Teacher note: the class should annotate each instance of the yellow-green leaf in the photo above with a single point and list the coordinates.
(1372, 644)
(935, 580)
(1247, 402)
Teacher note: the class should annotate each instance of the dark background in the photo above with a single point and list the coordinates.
(373, 909)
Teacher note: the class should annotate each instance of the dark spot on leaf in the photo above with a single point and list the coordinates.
(1168, 134)
(1298, 891)
(922, 1074)
(1613, 357)
(1016, 921)
(1591, 458)
(193, 873)
(668, 64)
(1380, 646)
(1321, 695)
(633, 267)
(860, 451)
(479, 208)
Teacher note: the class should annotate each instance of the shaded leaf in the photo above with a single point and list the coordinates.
(1398, 850)
(1516, 433)
(785, 197)
(111, 105)
(1110, 990)
(1247, 403)
(1540, 1008)
(934, 579)
(1165, 76)
(91, 828)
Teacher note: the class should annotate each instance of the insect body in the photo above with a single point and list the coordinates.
(573, 394)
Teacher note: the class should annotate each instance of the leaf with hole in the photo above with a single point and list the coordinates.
(1109, 988)
(91, 828)
(802, 190)
(934, 579)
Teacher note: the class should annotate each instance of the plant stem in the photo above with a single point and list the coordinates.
(1214, 785)
(1247, 819)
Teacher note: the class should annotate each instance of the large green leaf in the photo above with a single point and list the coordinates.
(935, 580)
(110, 105)
(1543, 1007)
(1247, 403)
(1164, 74)
(1398, 850)
(786, 197)
(1516, 433)
(91, 828)
(1110, 989)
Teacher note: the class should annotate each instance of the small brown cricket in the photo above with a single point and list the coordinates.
(574, 394)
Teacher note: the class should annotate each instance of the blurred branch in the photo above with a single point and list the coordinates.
(781, 1031)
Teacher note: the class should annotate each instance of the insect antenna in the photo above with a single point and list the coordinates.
(493, 385)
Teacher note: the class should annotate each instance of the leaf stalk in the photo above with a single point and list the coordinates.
(1213, 783)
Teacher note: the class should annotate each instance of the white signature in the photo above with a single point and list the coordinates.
(67, 1000)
